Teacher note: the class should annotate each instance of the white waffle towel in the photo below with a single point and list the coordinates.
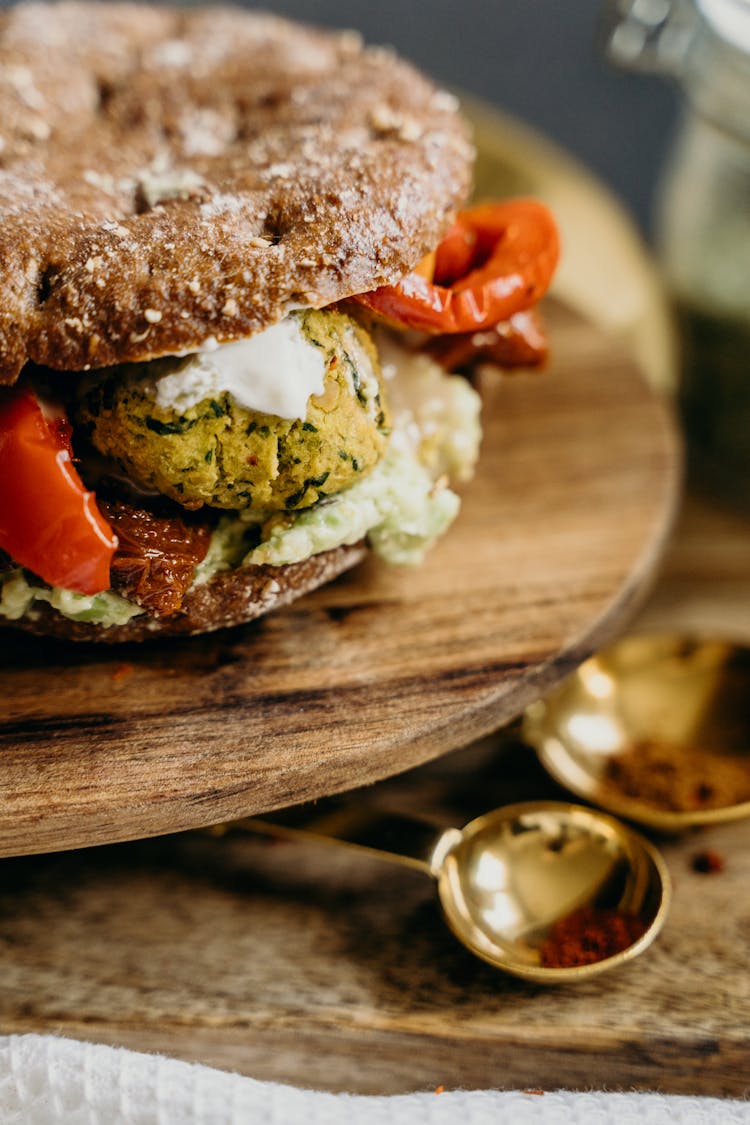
(46, 1080)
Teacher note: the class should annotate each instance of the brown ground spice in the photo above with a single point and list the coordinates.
(680, 778)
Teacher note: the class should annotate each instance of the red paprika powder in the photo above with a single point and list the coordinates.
(589, 934)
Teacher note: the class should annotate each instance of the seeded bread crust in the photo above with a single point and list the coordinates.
(231, 597)
(172, 175)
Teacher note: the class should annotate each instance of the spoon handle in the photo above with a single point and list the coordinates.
(399, 839)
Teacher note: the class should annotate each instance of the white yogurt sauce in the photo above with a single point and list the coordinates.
(274, 372)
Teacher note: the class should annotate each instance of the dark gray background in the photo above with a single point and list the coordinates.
(539, 59)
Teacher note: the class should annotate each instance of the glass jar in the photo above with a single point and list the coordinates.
(703, 219)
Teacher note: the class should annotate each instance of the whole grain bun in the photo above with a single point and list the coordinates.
(231, 597)
(170, 175)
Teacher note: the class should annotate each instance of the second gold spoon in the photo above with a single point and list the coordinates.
(655, 728)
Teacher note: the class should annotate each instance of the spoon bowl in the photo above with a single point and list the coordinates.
(515, 872)
(676, 705)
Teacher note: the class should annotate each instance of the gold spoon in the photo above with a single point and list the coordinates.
(507, 877)
(655, 728)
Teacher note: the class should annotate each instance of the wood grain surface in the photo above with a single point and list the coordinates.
(309, 965)
(557, 542)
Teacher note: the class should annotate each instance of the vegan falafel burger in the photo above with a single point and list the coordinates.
(236, 279)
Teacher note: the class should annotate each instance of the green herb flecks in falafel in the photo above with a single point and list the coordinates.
(222, 454)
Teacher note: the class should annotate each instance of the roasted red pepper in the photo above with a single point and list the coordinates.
(49, 523)
(518, 342)
(497, 260)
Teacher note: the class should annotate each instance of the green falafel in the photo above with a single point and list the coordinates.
(219, 453)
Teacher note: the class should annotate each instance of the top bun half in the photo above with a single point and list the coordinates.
(168, 176)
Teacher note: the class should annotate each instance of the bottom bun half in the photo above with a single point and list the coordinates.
(230, 597)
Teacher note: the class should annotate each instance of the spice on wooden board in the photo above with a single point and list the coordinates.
(122, 672)
(678, 777)
(707, 863)
(589, 934)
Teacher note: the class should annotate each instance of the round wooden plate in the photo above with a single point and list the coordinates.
(557, 541)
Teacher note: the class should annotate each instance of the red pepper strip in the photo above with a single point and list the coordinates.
(497, 260)
(455, 254)
(49, 523)
(518, 342)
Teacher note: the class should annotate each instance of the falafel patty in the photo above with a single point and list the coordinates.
(222, 454)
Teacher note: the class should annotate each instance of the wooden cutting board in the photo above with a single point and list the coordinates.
(557, 542)
(318, 967)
